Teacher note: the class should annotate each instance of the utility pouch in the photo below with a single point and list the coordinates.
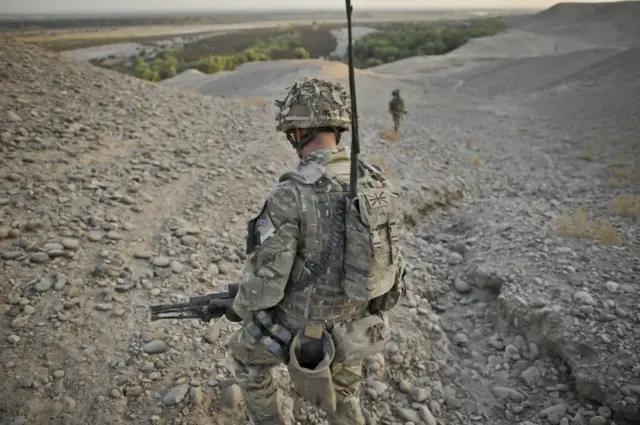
(357, 340)
(371, 245)
(310, 358)
(389, 300)
(253, 237)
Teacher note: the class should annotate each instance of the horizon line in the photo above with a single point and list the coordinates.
(284, 10)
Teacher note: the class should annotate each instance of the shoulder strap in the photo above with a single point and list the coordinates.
(307, 175)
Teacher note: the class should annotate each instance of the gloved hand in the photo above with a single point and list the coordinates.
(217, 308)
(232, 316)
(213, 313)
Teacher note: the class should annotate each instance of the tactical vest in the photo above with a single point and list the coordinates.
(312, 295)
(396, 105)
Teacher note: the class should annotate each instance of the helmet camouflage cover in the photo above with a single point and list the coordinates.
(313, 103)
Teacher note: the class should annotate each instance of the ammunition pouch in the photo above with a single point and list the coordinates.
(357, 340)
(311, 354)
(273, 337)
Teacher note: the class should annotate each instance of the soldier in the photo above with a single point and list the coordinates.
(315, 270)
(396, 109)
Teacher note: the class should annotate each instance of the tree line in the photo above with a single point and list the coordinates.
(401, 41)
(166, 64)
(393, 42)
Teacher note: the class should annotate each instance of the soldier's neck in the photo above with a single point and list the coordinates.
(323, 141)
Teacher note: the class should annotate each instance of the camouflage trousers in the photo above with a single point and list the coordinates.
(396, 121)
(253, 366)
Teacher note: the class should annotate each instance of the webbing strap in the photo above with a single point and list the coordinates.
(316, 270)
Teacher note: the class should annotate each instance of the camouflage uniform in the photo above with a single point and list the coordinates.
(396, 109)
(292, 232)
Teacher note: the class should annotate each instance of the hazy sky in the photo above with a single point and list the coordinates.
(64, 6)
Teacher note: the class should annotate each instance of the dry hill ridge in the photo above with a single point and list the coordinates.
(619, 15)
(262, 79)
(519, 179)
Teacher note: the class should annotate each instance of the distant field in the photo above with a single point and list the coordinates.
(87, 40)
(46, 23)
(92, 23)
(84, 33)
(211, 42)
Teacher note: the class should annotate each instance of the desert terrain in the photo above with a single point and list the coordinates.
(519, 171)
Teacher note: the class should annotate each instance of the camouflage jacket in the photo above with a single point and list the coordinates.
(285, 243)
(396, 105)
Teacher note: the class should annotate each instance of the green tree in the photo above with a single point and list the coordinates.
(371, 62)
(301, 53)
(399, 41)
(143, 71)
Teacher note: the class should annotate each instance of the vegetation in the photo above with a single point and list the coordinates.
(169, 63)
(626, 205)
(399, 41)
(579, 225)
(214, 52)
(393, 42)
(316, 39)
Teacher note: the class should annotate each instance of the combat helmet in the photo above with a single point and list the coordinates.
(396, 92)
(313, 104)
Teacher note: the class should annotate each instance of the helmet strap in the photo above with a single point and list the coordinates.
(309, 136)
(312, 133)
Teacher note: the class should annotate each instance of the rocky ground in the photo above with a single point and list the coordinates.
(522, 237)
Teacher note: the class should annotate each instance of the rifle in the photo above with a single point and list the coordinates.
(205, 308)
(275, 338)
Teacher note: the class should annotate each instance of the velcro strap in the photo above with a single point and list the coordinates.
(275, 348)
(264, 319)
(393, 231)
(375, 241)
(281, 334)
(253, 329)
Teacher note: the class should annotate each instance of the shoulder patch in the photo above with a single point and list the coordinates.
(308, 175)
(264, 228)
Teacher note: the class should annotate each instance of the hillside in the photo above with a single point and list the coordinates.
(519, 179)
(563, 17)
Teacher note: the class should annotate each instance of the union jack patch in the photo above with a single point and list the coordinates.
(377, 199)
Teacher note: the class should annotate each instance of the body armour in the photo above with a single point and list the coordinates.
(315, 290)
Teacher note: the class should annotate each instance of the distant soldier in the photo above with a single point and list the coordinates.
(396, 109)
